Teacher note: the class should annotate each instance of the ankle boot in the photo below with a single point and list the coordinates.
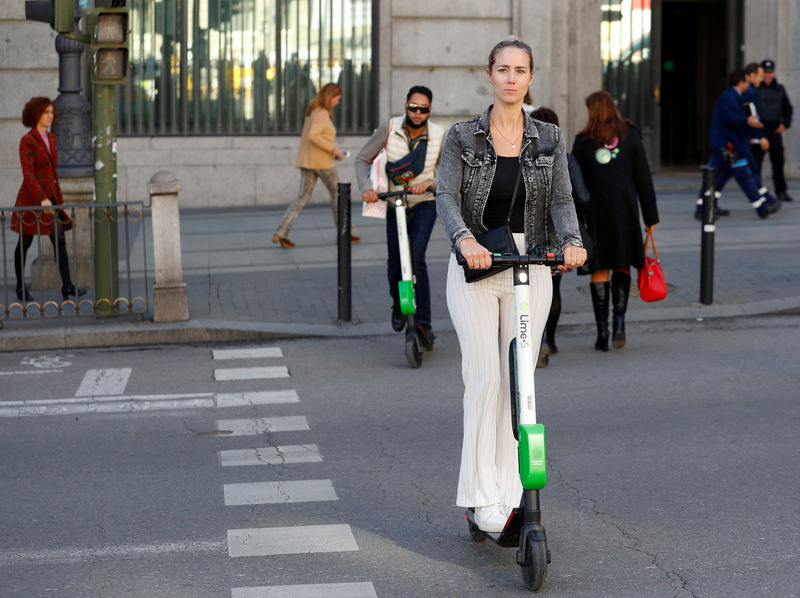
(600, 303)
(620, 288)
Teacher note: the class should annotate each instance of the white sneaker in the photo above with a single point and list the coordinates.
(492, 518)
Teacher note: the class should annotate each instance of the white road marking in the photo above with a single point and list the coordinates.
(322, 590)
(290, 540)
(264, 493)
(134, 551)
(256, 373)
(247, 353)
(267, 397)
(24, 372)
(251, 427)
(111, 381)
(126, 403)
(272, 455)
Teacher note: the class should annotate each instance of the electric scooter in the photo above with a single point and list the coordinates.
(415, 341)
(524, 526)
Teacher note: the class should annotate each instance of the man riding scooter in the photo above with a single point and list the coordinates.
(413, 147)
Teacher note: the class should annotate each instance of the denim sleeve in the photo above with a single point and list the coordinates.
(562, 208)
(364, 158)
(448, 190)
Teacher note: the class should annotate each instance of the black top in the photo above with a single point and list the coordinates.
(496, 211)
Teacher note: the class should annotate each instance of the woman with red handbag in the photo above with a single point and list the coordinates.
(610, 153)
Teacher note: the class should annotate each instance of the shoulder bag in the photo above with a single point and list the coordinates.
(497, 240)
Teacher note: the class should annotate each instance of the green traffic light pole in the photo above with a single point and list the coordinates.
(106, 251)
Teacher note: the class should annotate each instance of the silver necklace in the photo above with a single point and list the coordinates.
(513, 143)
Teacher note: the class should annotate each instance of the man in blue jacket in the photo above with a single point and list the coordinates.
(729, 140)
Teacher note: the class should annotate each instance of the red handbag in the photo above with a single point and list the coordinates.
(652, 286)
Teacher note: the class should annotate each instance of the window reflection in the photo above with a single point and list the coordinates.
(244, 66)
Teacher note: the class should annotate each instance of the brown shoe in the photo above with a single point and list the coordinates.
(354, 238)
(285, 243)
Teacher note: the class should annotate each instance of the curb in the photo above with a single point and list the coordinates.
(207, 331)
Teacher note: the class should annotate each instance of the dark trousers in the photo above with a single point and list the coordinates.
(739, 170)
(421, 219)
(775, 157)
(60, 249)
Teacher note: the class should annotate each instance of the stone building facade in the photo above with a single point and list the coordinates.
(419, 42)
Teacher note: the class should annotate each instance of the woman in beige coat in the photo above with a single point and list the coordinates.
(315, 159)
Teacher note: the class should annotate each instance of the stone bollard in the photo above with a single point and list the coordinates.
(170, 303)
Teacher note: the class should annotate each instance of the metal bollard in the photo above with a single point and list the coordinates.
(707, 244)
(343, 242)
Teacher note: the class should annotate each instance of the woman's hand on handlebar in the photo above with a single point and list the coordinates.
(574, 256)
(370, 196)
(476, 255)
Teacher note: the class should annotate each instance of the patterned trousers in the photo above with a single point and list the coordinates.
(308, 179)
(483, 316)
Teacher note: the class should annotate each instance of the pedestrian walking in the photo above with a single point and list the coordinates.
(414, 142)
(610, 153)
(316, 160)
(729, 140)
(775, 111)
(38, 155)
(580, 196)
(482, 160)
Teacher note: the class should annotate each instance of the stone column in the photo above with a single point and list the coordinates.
(170, 303)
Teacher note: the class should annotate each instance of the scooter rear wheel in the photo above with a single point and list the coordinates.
(534, 570)
(476, 533)
(413, 353)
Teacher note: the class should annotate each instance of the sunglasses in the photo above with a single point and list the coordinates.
(418, 108)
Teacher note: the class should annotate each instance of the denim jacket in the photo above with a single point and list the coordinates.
(467, 170)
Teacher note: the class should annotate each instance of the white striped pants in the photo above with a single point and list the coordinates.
(483, 316)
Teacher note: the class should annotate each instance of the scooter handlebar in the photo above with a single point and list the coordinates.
(499, 259)
(401, 193)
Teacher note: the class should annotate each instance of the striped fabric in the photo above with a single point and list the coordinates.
(483, 316)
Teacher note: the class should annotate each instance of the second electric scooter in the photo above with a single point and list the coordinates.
(415, 341)
(524, 526)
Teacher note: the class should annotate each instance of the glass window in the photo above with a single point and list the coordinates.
(201, 67)
(625, 51)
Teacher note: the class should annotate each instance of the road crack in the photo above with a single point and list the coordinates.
(627, 539)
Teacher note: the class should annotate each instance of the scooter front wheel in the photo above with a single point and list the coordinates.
(413, 353)
(534, 569)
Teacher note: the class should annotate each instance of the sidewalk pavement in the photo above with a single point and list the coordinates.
(242, 286)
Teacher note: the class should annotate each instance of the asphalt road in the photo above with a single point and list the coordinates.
(672, 469)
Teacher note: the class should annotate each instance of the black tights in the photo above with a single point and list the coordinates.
(555, 311)
(60, 249)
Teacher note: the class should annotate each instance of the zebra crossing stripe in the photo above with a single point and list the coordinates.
(271, 455)
(132, 403)
(266, 397)
(247, 353)
(264, 493)
(251, 427)
(110, 381)
(322, 590)
(305, 539)
(254, 373)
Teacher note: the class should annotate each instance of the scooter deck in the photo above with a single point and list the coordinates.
(510, 535)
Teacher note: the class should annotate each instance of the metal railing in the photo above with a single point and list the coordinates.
(44, 297)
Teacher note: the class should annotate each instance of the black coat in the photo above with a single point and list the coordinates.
(617, 189)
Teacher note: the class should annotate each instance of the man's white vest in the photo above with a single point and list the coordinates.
(397, 147)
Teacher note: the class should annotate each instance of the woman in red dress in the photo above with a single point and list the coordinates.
(39, 159)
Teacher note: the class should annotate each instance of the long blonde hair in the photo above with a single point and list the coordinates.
(324, 97)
